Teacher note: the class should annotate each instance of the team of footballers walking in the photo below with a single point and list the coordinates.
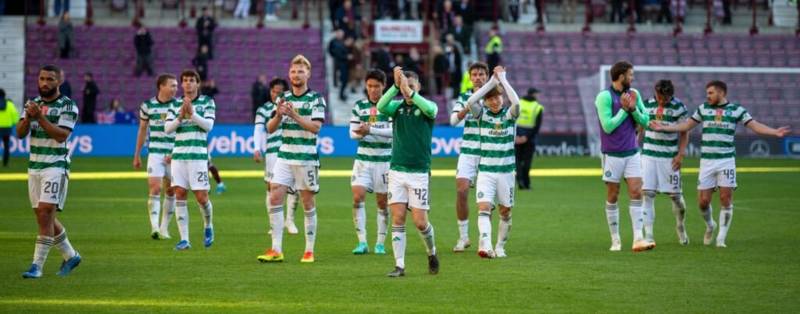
(392, 160)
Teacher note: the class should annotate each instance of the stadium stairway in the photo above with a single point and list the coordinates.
(12, 57)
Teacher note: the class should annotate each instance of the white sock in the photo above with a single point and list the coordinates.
(485, 230)
(383, 220)
(167, 213)
(154, 209)
(42, 247)
(291, 207)
(62, 243)
(649, 213)
(463, 229)
(360, 222)
(428, 239)
(276, 223)
(612, 217)
(679, 209)
(207, 210)
(311, 229)
(708, 216)
(725, 218)
(503, 228)
(399, 245)
(183, 219)
(637, 221)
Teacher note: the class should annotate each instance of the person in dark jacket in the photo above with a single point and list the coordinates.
(205, 31)
(528, 124)
(90, 92)
(144, 55)
(259, 93)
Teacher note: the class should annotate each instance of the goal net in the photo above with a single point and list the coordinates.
(771, 95)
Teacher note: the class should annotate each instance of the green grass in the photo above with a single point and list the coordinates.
(558, 253)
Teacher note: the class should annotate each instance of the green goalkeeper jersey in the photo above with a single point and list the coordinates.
(412, 131)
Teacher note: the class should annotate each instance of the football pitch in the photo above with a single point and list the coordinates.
(558, 258)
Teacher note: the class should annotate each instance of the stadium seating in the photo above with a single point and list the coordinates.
(240, 55)
(553, 62)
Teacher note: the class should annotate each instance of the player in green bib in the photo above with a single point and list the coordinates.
(152, 117)
(373, 131)
(717, 153)
(409, 170)
(49, 119)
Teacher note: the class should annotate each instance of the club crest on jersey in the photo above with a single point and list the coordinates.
(416, 112)
(200, 110)
(306, 106)
(163, 116)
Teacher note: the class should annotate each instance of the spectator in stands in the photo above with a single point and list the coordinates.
(440, 68)
(727, 17)
(65, 88)
(528, 124)
(410, 9)
(445, 15)
(90, 92)
(494, 47)
(382, 60)
(205, 31)
(66, 36)
(59, 6)
(338, 51)
(333, 7)
(617, 15)
(271, 10)
(386, 8)
(355, 49)
(259, 93)
(513, 10)
(8, 118)
(461, 34)
(121, 116)
(144, 55)
(346, 14)
(568, 11)
(200, 62)
(209, 88)
(242, 9)
(678, 8)
(467, 12)
(664, 15)
(452, 51)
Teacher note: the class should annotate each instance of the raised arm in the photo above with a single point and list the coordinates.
(473, 102)
(173, 121)
(386, 105)
(639, 113)
(608, 122)
(24, 125)
(513, 110)
(428, 107)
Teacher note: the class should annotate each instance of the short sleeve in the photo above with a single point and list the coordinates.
(318, 112)
(211, 110)
(143, 112)
(354, 117)
(69, 116)
(745, 117)
(172, 114)
(261, 115)
(697, 117)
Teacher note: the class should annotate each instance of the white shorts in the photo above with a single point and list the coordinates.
(373, 176)
(190, 174)
(269, 164)
(409, 188)
(658, 175)
(716, 173)
(467, 167)
(48, 186)
(157, 167)
(616, 168)
(496, 185)
(297, 177)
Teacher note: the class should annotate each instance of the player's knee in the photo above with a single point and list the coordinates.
(308, 202)
(170, 191)
(202, 198)
(382, 203)
(612, 198)
(635, 194)
(649, 194)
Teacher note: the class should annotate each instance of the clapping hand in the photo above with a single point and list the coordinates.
(32, 110)
(363, 129)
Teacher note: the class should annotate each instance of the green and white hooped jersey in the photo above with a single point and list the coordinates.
(300, 146)
(191, 141)
(470, 141)
(497, 131)
(155, 113)
(46, 152)
(263, 114)
(663, 144)
(719, 129)
(372, 148)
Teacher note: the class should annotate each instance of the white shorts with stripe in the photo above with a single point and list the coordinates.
(48, 186)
